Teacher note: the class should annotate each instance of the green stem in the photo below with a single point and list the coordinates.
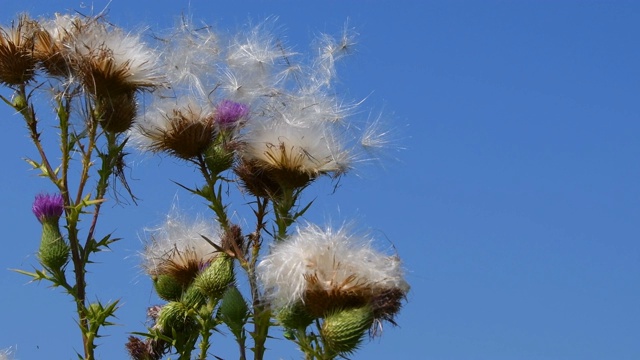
(204, 343)
(261, 310)
(305, 343)
(77, 253)
(78, 291)
(108, 164)
(216, 194)
(282, 212)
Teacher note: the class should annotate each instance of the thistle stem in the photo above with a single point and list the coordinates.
(282, 212)
(216, 197)
(260, 309)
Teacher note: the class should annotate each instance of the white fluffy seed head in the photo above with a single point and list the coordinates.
(336, 261)
(62, 26)
(182, 127)
(291, 96)
(111, 53)
(179, 235)
(311, 149)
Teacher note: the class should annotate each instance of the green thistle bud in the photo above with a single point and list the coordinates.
(193, 297)
(295, 317)
(167, 287)
(215, 279)
(175, 316)
(343, 331)
(218, 158)
(53, 252)
(233, 310)
(19, 102)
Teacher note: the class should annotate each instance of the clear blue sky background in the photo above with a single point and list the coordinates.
(515, 206)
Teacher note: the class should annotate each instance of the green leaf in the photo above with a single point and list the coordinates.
(234, 311)
(38, 275)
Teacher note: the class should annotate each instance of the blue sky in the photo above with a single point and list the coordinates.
(515, 203)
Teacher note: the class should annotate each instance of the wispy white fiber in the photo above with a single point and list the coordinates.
(179, 235)
(337, 258)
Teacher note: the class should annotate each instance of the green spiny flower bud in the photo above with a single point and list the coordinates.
(19, 102)
(295, 316)
(53, 252)
(215, 279)
(193, 297)
(167, 287)
(218, 158)
(175, 316)
(234, 309)
(343, 331)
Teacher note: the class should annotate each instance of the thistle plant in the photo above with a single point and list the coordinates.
(92, 73)
(248, 114)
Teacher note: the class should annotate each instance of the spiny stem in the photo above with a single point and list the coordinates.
(103, 182)
(216, 198)
(29, 115)
(76, 251)
(261, 327)
(282, 211)
(256, 242)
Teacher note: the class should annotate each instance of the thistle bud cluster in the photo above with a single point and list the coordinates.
(182, 264)
(189, 273)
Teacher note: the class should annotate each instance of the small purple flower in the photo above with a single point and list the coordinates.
(47, 206)
(229, 112)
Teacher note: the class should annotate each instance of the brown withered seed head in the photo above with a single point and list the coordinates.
(285, 166)
(256, 180)
(103, 77)
(188, 134)
(183, 266)
(232, 241)
(149, 349)
(116, 113)
(319, 301)
(17, 63)
(386, 303)
(54, 41)
(137, 349)
(50, 54)
(109, 61)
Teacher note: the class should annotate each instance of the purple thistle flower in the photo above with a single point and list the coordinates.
(47, 206)
(229, 112)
